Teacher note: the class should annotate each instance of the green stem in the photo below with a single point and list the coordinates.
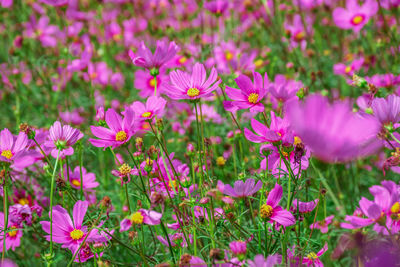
(51, 203)
(5, 207)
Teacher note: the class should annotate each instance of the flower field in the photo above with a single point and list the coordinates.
(218, 133)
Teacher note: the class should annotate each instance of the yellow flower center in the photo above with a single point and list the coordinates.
(23, 201)
(116, 37)
(312, 256)
(221, 161)
(357, 19)
(297, 140)
(347, 69)
(253, 98)
(136, 218)
(152, 82)
(395, 208)
(258, 63)
(299, 36)
(93, 75)
(228, 55)
(193, 92)
(182, 60)
(146, 114)
(76, 182)
(125, 169)
(76, 234)
(173, 184)
(7, 154)
(266, 211)
(13, 232)
(121, 136)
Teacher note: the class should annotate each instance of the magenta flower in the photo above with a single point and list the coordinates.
(238, 247)
(260, 261)
(62, 138)
(88, 179)
(55, 2)
(145, 59)
(333, 132)
(42, 31)
(142, 216)
(243, 189)
(13, 235)
(120, 131)
(217, 7)
(323, 225)
(69, 233)
(387, 110)
(273, 212)
(354, 16)
(312, 258)
(194, 86)
(264, 134)
(283, 89)
(250, 94)
(6, 3)
(154, 107)
(348, 70)
(303, 207)
(12, 148)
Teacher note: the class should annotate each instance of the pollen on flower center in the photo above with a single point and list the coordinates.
(121, 136)
(357, 19)
(266, 211)
(182, 60)
(137, 218)
(13, 232)
(76, 234)
(299, 36)
(125, 169)
(347, 69)
(152, 83)
(76, 182)
(228, 55)
(193, 92)
(253, 98)
(23, 201)
(395, 208)
(146, 114)
(297, 140)
(7, 154)
(312, 256)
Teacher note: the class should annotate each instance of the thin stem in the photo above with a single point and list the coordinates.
(51, 203)
(5, 207)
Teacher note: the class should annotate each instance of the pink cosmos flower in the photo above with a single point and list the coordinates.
(348, 70)
(297, 31)
(260, 261)
(41, 30)
(70, 233)
(387, 110)
(62, 138)
(12, 148)
(120, 131)
(13, 235)
(145, 59)
(73, 117)
(218, 7)
(333, 132)
(88, 179)
(323, 225)
(6, 3)
(55, 2)
(142, 216)
(283, 89)
(312, 258)
(194, 86)
(238, 247)
(264, 134)
(354, 16)
(304, 207)
(154, 107)
(273, 212)
(250, 94)
(242, 189)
